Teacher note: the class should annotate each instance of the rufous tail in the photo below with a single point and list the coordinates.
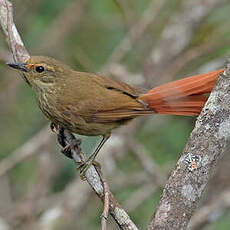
(182, 97)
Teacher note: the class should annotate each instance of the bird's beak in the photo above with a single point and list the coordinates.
(19, 66)
(22, 67)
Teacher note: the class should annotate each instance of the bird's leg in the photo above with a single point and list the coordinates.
(85, 165)
(75, 144)
(54, 127)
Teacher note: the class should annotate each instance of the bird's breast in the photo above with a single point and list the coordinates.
(47, 105)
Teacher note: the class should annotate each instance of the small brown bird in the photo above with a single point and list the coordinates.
(91, 104)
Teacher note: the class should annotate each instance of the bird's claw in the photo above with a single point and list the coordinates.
(75, 144)
(84, 166)
(54, 128)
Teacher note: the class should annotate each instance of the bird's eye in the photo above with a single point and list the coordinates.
(39, 69)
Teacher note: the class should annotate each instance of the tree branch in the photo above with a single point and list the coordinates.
(12, 36)
(206, 144)
(95, 180)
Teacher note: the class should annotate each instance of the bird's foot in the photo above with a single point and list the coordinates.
(84, 166)
(75, 144)
(54, 128)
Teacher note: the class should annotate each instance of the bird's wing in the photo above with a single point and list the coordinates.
(116, 115)
(106, 100)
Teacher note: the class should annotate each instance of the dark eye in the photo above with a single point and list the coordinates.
(39, 69)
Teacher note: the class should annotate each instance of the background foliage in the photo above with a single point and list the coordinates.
(85, 34)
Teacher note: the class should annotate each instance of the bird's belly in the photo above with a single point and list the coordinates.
(80, 126)
(92, 129)
(75, 123)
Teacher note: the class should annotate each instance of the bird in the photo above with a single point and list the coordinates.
(94, 105)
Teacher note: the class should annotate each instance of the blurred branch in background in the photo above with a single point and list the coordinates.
(32, 146)
(180, 29)
(59, 29)
(177, 34)
(135, 33)
(95, 38)
(211, 212)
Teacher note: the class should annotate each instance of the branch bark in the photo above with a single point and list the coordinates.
(207, 142)
(12, 36)
(95, 180)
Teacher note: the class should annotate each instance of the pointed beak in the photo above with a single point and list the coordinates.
(19, 66)
(22, 67)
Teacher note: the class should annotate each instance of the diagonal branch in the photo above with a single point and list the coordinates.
(93, 177)
(206, 145)
(12, 36)
(95, 180)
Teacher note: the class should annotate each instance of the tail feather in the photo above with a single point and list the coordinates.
(182, 97)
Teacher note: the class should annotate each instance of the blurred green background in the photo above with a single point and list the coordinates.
(161, 42)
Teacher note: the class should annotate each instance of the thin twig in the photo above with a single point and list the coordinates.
(95, 181)
(104, 216)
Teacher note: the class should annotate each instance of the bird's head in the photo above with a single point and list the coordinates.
(42, 72)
